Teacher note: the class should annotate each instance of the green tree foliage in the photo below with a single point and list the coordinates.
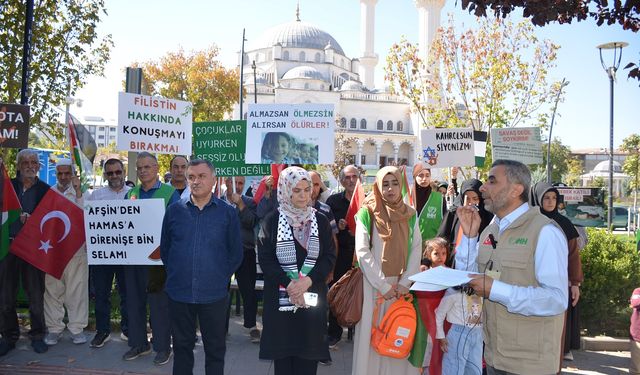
(610, 264)
(560, 161)
(542, 12)
(631, 165)
(65, 50)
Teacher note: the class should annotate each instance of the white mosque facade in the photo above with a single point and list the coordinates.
(297, 62)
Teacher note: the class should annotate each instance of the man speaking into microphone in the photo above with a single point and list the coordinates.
(522, 258)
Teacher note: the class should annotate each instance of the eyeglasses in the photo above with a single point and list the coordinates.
(112, 173)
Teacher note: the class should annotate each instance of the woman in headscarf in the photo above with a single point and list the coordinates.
(469, 195)
(546, 196)
(429, 207)
(296, 253)
(388, 248)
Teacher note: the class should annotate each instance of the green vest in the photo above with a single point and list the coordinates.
(430, 217)
(157, 274)
(164, 191)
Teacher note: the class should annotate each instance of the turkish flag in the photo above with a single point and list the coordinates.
(52, 234)
(354, 207)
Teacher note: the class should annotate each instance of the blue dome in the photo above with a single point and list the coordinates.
(297, 34)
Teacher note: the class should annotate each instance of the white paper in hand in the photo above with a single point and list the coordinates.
(443, 276)
(426, 287)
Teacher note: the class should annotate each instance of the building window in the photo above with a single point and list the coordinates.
(101, 128)
(389, 125)
(317, 57)
(363, 159)
(303, 56)
(399, 126)
(343, 122)
(380, 125)
(285, 55)
(363, 124)
(101, 136)
(353, 123)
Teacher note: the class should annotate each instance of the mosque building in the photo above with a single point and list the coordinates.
(297, 62)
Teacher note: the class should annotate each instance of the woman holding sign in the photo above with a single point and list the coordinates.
(296, 253)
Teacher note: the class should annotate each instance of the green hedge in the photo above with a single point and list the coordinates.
(611, 268)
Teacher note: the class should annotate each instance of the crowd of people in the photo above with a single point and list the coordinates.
(512, 316)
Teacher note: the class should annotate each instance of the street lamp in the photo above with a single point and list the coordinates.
(611, 72)
(563, 84)
(255, 84)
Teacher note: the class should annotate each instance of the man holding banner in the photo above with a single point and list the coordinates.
(71, 292)
(147, 282)
(30, 191)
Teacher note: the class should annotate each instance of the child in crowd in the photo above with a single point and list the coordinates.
(275, 148)
(436, 254)
(462, 345)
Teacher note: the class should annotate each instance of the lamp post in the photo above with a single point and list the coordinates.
(611, 72)
(563, 84)
(255, 83)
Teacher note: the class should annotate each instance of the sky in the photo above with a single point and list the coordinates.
(145, 30)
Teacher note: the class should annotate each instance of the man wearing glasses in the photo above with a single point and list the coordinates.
(147, 282)
(102, 275)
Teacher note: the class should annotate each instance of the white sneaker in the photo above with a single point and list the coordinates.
(568, 356)
(52, 338)
(123, 337)
(79, 338)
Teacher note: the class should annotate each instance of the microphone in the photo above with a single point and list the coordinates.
(494, 243)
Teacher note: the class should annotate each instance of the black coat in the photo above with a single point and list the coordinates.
(300, 334)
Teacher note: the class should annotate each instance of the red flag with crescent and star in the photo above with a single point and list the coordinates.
(52, 235)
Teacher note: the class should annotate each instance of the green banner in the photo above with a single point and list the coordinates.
(223, 143)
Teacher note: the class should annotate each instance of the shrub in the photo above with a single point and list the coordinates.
(610, 266)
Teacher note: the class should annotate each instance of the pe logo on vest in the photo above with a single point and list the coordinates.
(431, 212)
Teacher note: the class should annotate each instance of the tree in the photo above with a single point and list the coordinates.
(542, 12)
(560, 161)
(65, 50)
(631, 165)
(492, 76)
(197, 77)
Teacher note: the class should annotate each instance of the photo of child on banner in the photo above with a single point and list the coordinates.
(282, 148)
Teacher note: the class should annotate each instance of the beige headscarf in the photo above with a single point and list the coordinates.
(392, 222)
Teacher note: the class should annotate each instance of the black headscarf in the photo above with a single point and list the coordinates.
(537, 193)
(450, 223)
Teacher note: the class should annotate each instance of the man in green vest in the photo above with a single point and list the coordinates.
(144, 282)
(522, 256)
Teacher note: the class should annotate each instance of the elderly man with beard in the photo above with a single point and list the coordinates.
(30, 191)
(522, 255)
(71, 292)
(102, 275)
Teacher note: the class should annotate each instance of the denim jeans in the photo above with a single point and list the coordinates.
(464, 353)
(212, 319)
(102, 277)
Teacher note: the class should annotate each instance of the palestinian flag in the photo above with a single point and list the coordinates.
(10, 209)
(480, 147)
(83, 150)
(406, 187)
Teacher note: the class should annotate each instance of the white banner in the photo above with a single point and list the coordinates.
(443, 148)
(519, 144)
(154, 124)
(290, 134)
(124, 231)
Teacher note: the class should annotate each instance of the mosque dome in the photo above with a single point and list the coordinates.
(351, 86)
(603, 166)
(297, 34)
(304, 71)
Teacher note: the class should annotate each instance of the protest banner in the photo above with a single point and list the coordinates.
(14, 125)
(223, 143)
(154, 124)
(290, 134)
(520, 144)
(443, 148)
(124, 231)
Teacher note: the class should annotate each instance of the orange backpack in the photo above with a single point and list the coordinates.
(396, 332)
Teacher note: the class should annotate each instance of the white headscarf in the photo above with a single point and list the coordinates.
(288, 179)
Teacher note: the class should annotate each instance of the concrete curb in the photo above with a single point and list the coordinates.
(604, 343)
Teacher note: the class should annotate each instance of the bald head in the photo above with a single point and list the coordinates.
(316, 183)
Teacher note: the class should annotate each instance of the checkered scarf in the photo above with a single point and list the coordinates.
(286, 253)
